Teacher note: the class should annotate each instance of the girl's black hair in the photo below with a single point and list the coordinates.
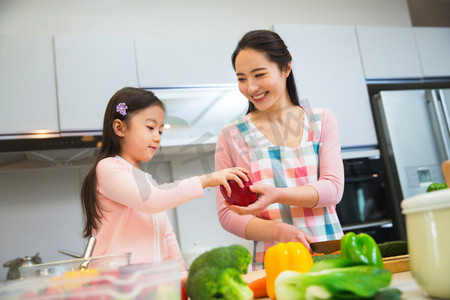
(135, 99)
(271, 44)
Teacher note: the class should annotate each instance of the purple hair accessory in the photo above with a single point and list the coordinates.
(121, 108)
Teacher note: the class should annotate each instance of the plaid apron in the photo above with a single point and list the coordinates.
(281, 167)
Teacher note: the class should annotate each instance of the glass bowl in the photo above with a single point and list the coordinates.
(58, 268)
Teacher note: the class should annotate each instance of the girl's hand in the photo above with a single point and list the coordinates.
(221, 178)
(267, 195)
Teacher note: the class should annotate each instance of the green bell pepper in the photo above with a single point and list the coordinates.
(437, 186)
(361, 248)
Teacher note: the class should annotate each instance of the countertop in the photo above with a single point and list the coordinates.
(405, 283)
(402, 281)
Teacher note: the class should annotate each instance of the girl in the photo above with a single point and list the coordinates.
(123, 206)
(293, 154)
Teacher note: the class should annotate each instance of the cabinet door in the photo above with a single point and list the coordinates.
(389, 52)
(90, 69)
(328, 72)
(164, 62)
(434, 50)
(27, 85)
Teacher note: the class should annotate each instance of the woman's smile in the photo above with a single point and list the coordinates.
(260, 97)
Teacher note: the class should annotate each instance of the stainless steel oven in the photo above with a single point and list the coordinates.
(365, 206)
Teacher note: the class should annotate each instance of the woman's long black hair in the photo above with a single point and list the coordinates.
(135, 99)
(271, 44)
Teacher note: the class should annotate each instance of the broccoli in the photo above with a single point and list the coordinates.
(215, 283)
(216, 274)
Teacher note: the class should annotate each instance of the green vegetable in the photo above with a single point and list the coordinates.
(355, 282)
(442, 186)
(214, 283)
(333, 264)
(393, 248)
(388, 294)
(211, 274)
(317, 258)
(432, 187)
(437, 186)
(361, 248)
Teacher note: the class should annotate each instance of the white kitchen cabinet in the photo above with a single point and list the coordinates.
(328, 72)
(89, 70)
(434, 50)
(164, 62)
(389, 52)
(27, 85)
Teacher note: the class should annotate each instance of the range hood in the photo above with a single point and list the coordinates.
(194, 116)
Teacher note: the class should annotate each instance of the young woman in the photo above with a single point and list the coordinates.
(292, 152)
(123, 206)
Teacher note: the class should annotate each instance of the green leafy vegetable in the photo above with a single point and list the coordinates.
(354, 282)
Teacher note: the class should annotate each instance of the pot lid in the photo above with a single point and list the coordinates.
(427, 201)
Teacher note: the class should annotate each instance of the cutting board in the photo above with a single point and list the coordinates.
(397, 264)
(446, 171)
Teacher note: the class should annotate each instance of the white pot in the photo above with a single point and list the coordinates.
(427, 225)
(192, 253)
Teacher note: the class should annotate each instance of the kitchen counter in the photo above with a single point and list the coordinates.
(405, 283)
(402, 281)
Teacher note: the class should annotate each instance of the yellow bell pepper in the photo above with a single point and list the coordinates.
(281, 257)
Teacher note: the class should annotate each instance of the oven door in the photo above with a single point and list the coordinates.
(364, 205)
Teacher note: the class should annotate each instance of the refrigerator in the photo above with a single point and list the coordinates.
(413, 129)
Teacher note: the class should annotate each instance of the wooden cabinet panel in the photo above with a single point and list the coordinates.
(434, 50)
(389, 52)
(329, 74)
(90, 69)
(164, 62)
(27, 85)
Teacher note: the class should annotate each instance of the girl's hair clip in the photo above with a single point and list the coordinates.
(121, 108)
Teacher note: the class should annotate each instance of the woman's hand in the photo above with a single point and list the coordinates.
(221, 178)
(290, 233)
(267, 195)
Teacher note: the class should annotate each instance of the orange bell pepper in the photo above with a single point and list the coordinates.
(281, 257)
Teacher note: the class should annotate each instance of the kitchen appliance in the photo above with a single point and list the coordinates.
(427, 221)
(193, 119)
(15, 264)
(364, 206)
(413, 128)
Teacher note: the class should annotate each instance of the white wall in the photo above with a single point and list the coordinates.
(39, 209)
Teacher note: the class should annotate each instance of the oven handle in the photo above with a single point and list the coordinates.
(374, 177)
(382, 224)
